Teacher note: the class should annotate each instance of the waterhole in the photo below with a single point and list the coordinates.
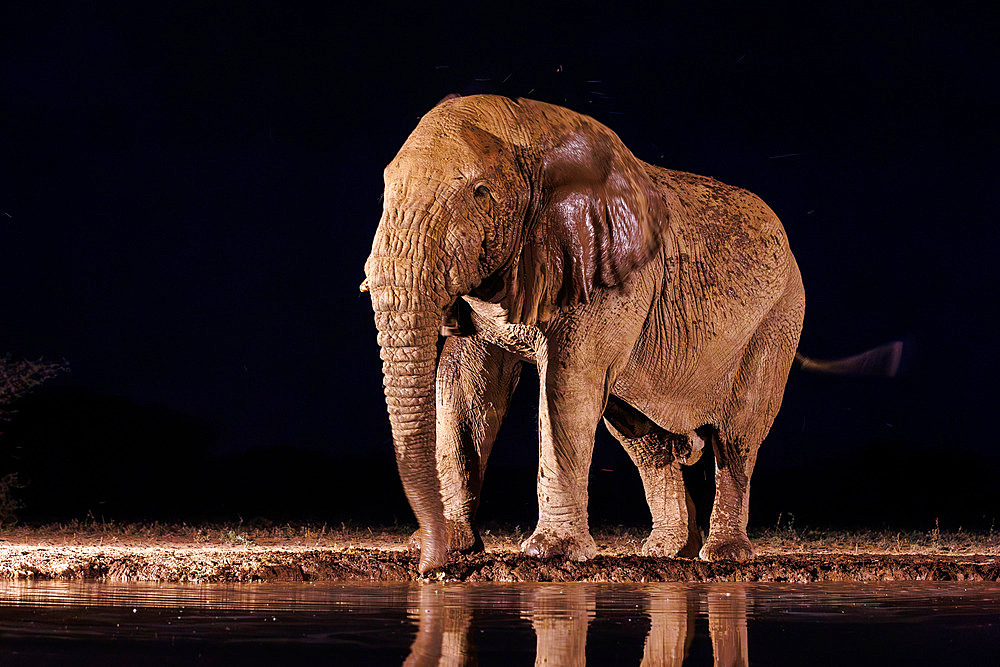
(502, 624)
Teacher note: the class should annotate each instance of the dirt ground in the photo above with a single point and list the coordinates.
(237, 553)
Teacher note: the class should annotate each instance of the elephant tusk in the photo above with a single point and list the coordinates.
(364, 285)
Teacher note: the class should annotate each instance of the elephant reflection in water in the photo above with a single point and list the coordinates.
(561, 615)
(672, 614)
(445, 628)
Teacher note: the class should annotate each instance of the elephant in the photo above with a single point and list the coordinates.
(561, 617)
(665, 303)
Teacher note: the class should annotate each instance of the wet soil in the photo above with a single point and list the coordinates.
(172, 557)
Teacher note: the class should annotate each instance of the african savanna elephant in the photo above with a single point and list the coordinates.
(666, 303)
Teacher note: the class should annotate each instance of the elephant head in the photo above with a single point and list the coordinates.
(522, 203)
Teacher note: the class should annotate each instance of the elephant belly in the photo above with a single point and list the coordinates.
(667, 409)
(679, 387)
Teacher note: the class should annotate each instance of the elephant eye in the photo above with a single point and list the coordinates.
(482, 193)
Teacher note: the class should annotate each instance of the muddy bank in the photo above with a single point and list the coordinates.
(271, 564)
(306, 552)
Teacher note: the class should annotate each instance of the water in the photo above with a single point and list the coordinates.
(502, 624)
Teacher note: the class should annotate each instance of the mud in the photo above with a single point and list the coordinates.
(282, 563)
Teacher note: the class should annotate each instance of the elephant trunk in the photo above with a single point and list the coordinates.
(408, 317)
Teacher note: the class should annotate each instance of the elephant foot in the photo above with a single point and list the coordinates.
(462, 538)
(727, 548)
(545, 544)
(669, 544)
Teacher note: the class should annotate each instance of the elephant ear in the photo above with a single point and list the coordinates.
(449, 96)
(596, 217)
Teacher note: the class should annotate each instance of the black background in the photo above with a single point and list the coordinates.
(189, 191)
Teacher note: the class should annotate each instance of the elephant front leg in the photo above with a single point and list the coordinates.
(570, 406)
(475, 382)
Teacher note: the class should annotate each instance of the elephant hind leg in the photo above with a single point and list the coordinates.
(727, 532)
(675, 531)
(746, 418)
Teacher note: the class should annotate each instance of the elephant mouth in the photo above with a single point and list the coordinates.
(457, 320)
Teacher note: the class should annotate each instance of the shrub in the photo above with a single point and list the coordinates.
(17, 378)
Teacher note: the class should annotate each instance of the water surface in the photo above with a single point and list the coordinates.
(502, 624)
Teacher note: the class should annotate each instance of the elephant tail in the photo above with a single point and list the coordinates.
(881, 361)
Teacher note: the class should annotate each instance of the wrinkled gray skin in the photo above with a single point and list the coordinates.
(666, 303)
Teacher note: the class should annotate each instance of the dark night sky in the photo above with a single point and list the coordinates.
(189, 191)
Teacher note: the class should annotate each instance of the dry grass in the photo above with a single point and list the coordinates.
(620, 540)
(933, 542)
(259, 533)
(611, 540)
